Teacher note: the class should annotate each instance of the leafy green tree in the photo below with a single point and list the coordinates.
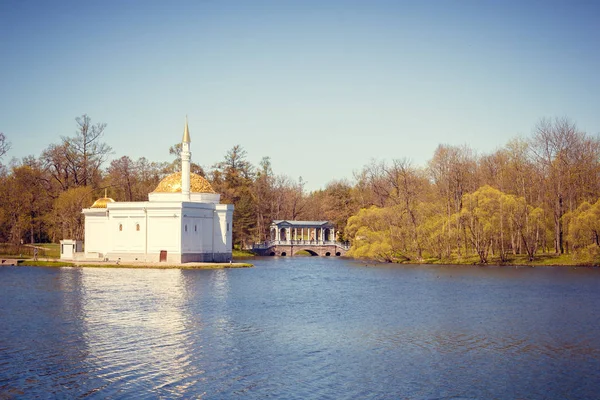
(25, 203)
(233, 178)
(482, 216)
(378, 233)
(584, 225)
(66, 220)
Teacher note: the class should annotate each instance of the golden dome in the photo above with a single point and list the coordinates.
(102, 202)
(172, 184)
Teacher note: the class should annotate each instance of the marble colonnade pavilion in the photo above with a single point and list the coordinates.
(302, 231)
(288, 237)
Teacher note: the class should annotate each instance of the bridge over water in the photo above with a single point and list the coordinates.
(289, 237)
(290, 247)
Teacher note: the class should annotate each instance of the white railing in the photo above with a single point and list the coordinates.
(271, 243)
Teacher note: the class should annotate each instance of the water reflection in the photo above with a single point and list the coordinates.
(135, 330)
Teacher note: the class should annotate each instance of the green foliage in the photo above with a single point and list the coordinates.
(237, 253)
(496, 225)
(376, 234)
(302, 253)
(233, 178)
(584, 225)
(32, 263)
(65, 220)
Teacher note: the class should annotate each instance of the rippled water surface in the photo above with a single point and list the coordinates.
(298, 328)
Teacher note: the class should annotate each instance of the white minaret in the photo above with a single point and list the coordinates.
(186, 155)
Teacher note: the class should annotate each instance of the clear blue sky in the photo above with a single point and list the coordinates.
(321, 87)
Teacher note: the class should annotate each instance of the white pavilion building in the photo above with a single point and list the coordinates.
(182, 221)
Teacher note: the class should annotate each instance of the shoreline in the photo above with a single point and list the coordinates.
(132, 265)
(530, 264)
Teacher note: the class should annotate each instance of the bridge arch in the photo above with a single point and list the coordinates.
(309, 251)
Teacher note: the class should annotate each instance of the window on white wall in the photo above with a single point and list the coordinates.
(120, 227)
(186, 228)
(137, 227)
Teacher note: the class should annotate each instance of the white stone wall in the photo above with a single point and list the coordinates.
(164, 232)
(207, 198)
(127, 229)
(96, 233)
(139, 231)
(222, 226)
(198, 237)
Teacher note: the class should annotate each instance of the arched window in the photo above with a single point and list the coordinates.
(195, 228)
(186, 228)
(120, 227)
(137, 227)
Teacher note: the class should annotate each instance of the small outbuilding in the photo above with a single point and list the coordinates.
(69, 247)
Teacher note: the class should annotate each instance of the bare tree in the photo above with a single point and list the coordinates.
(4, 145)
(57, 165)
(85, 151)
(569, 161)
(122, 174)
(408, 185)
(453, 171)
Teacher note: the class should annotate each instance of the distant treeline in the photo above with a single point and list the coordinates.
(534, 195)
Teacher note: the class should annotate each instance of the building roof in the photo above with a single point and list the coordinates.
(172, 184)
(102, 202)
(300, 223)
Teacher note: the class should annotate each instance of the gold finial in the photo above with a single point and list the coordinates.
(186, 132)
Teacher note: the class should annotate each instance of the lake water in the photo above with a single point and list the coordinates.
(298, 328)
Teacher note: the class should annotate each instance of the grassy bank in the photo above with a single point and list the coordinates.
(514, 260)
(237, 253)
(38, 263)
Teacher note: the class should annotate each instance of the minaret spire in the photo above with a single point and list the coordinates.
(186, 132)
(186, 155)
